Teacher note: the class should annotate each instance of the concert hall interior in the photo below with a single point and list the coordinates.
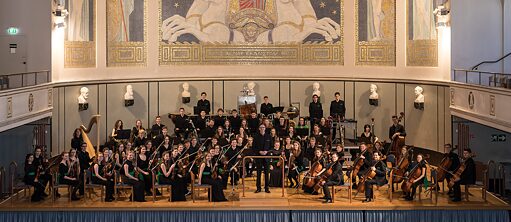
(255, 110)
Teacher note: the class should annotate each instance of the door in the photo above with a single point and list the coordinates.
(13, 54)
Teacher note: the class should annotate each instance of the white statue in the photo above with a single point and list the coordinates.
(84, 94)
(419, 97)
(374, 94)
(250, 88)
(315, 89)
(129, 93)
(185, 95)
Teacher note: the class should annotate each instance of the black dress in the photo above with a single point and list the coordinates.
(177, 181)
(109, 183)
(276, 173)
(148, 179)
(216, 184)
(29, 179)
(63, 171)
(138, 186)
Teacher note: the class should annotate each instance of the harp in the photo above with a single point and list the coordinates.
(86, 130)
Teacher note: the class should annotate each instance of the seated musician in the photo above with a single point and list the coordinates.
(340, 152)
(318, 135)
(220, 118)
(182, 124)
(134, 132)
(325, 128)
(310, 148)
(143, 168)
(366, 136)
(209, 131)
(200, 121)
(336, 178)
(140, 139)
(228, 130)
(455, 163)
(156, 129)
(102, 175)
(366, 157)
(281, 127)
(295, 163)
(68, 174)
(291, 133)
(158, 139)
(420, 165)
(318, 159)
(253, 123)
(221, 137)
(40, 162)
(380, 179)
(169, 173)
(206, 176)
(73, 158)
(468, 176)
(129, 176)
(231, 157)
(32, 174)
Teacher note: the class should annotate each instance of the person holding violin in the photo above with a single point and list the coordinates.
(231, 157)
(143, 167)
(380, 179)
(466, 176)
(129, 176)
(102, 174)
(295, 164)
(31, 178)
(67, 175)
(41, 163)
(170, 173)
(336, 178)
(276, 164)
(419, 165)
(207, 176)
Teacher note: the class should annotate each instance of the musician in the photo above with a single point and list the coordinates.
(336, 178)
(220, 136)
(117, 126)
(318, 159)
(76, 167)
(219, 118)
(266, 107)
(276, 165)
(84, 160)
(232, 156)
(380, 179)
(420, 165)
(396, 129)
(200, 122)
(101, 175)
(274, 136)
(243, 134)
(156, 129)
(288, 144)
(159, 138)
(276, 118)
(339, 149)
(32, 178)
(455, 163)
(134, 132)
(77, 139)
(235, 120)
(129, 176)
(281, 127)
(291, 133)
(143, 168)
(206, 173)
(209, 131)
(261, 146)
(337, 107)
(244, 125)
(366, 136)
(295, 164)
(68, 175)
(228, 130)
(140, 139)
(310, 148)
(40, 162)
(315, 110)
(119, 156)
(182, 124)
(203, 104)
(366, 156)
(253, 123)
(468, 176)
(324, 127)
(129, 146)
(169, 169)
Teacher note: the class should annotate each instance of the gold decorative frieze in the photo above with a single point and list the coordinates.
(80, 44)
(126, 54)
(79, 54)
(422, 53)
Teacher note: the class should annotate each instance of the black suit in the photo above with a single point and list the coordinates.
(335, 179)
(204, 105)
(235, 123)
(396, 129)
(467, 177)
(337, 108)
(380, 179)
(266, 109)
(315, 112)
(261, 143)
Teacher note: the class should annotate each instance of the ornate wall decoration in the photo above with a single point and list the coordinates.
(492, 105)
(30, 102)
(9, 107)
(50, 98)
(80, 43)
(471, 100)
(126, 32)
(452, 97)
(249, 32)
(421, 43)
(375, 32)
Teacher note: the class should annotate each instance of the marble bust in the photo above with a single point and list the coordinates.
(315, 89)
(185, 95)
(128, 96)
(250, 88)
(374, 96)
(419, 98)
(82, 99)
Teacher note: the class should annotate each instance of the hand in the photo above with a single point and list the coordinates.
(134, 178)
(103, 179)
(177, 129)
(263, 152)
(271, 167)
(36, 180)
(323, 183)
(145, 173)
(362, 157)
(373, 168)
(199, 183)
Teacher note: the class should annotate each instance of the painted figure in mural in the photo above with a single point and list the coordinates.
(78, 27)
(375, 18)
(423, 20)
(125, 20)
(249, 21)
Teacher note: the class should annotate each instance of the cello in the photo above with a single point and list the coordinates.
(314, 171)
(358, 163)
(369, 175)
(414, 174)
(400, 169)
(456, 176)
(323, 177)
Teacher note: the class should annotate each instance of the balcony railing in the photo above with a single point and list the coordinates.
(18, 80)
(491, 79)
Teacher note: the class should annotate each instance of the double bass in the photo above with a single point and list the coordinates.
(398, 141)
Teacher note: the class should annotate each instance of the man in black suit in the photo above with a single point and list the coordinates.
(182, 125)
(467, 177)
(396, 129)
(85, 160)
(235, 121)
(335, 179)
(337, 107)
(260, 146)
(380, 179)
(315, 110)
(156, 129)
(455, 163)
(204, 104)
(266, 107)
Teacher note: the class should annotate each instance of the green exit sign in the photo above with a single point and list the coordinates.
(12, 31)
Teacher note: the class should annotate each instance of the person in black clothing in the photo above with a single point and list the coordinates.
(32, 178)
(380, 179)
(261, 146)
(100, 175)
(266, 107)
(77, 139)
(203, 104)
(85, 160)
(206, 177)
(420, 164)
(367, 158)
(396, 129)
(128, 176)
(276, 165)
(156, 129)
(134, 131)
(145, 172)
(231, 157)
(182, 122)
(67, 175)
(366, 136)
(337, 177)
(281, 127)
(200, 122)
(158, 139)
(455, 163)
(220, 118)
(140, 139)
(235, 121)
(253, 123)
(315, 110)
(337, 110)
(209, 131)
(467, 177)
(171, 169)
(40, 162)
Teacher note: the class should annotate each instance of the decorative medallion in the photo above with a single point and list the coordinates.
(492, 105)
(30, 102)
(471, 100)
(9, 107)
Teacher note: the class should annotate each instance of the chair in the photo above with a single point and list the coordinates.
(157, 186)
(346, 186)
(88, 185)
(433, 185)
(480, 186)
(196, 186)
(387, 186)
(119, 184)
(56, 185)
(16, 183)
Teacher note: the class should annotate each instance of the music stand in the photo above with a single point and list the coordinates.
(196, 110)
(278, 109)
(123, 134)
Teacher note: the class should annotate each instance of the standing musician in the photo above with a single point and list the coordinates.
(266, 107)
(420, 164)
(206, 173)
(68, 174)
(261, 146)
(101, 174)
(129, 176)
(468, 176)
(337, 177)
(315, 110)
(143, 168)
(276, 164)
(253, 123)
(337, 111)
(32, 178)
(209, 131)
(281, 127)
(84, 160)
(396, 129)
(117, 126)
(380, 179)
(203, 104)
(75, 167)
(169, 173)
(235, 121)
(182, 125)
(220, 118)
(156, 129)
(200, 122)
(455, 163)
(77, 139)
(232, 156)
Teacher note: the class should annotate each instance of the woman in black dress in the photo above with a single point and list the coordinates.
(77, 140)
(103, 176)
(128, 173)
(295, 164)
(169, 174)
(367, 136)
(32, 178)
(206, 177)
(68, 174)
(145, 172)
(276, 165)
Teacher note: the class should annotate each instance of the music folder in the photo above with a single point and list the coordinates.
(123, 134)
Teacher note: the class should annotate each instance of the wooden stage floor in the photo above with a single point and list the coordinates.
(293, 200)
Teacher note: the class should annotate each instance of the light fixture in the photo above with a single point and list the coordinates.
(442, 15)
(59, 15)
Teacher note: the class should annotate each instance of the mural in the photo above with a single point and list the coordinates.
(126, 32)
(79, 45)
(422, 49)
(251, 32)
(375, 32)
